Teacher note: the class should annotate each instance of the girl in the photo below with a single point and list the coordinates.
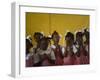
(46, 54)
(69, 57)
(81, 57)
(57, 48)
(86, 44)
(37, 37)
(29, 56)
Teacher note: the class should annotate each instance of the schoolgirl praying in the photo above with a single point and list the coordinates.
(57, 48)
(81, 57)
(45, 53)
(69, 57)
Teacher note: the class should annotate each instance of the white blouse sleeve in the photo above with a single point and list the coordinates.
(52, 55)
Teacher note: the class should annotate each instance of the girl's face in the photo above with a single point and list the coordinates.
(87, 36)
(79, 40)
(44, 44)
(56, 38)
(37, 38)
(68, 41)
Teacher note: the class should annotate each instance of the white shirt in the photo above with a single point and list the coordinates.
(49, 52)
(61, 47)
(28, 56)
(73, 47)
(35, 55)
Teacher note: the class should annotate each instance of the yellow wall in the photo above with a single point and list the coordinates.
(47, 23)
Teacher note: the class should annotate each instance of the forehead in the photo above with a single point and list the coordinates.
(55, 35)
(44, 41)
(78, 36)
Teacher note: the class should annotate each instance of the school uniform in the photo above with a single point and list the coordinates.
(77, 61)
(36, 57)
(46, 56)
(68, 59)
(29, 60)
(58, 54)
(82, 58)
(88, 52)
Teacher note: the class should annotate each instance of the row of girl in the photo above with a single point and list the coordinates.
(76, 51)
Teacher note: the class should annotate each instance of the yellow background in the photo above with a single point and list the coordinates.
(47, 23)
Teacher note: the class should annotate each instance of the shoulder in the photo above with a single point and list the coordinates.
(52, 46)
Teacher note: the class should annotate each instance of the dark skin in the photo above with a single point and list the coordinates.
(43, 46)
(86, 34)
(69, 43)
(80, 43)
(56, 39)
(28, 45)
(37, 37)
(79, 39)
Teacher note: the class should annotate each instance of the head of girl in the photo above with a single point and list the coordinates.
(44, 43)
(79, 38)
(69, 38)
(55, 37)
(86, 34)
(28, 45)
(37, 36)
